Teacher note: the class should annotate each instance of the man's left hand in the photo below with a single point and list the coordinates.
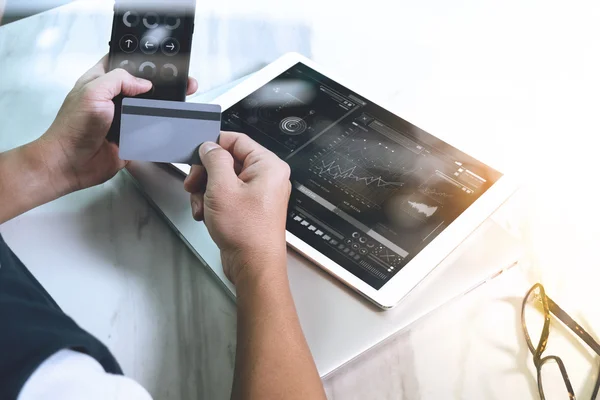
(75, 146)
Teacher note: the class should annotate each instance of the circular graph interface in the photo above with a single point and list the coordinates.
(293, 126)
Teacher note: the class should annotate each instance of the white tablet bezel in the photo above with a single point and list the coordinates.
(423, 263)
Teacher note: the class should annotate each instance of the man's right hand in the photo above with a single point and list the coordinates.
(241, 191)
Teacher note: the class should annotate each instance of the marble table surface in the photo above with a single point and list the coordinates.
(514, 82)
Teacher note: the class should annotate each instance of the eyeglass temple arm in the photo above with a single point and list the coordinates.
(574, 326)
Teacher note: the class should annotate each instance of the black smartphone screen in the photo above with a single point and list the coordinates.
(153, 40)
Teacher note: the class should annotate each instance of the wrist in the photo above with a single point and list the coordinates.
(44, 166)
(25, 181)
(251, 267)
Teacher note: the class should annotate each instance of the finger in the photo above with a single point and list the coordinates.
(253, 161)
(191, 178)
(96, 71)
(196, 180)
(238, 167)
(242, 147)
(117, 81)
(192, 86)
(219, 165)
(197, 202)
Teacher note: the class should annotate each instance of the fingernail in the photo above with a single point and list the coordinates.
(194, 207)
(208, 147)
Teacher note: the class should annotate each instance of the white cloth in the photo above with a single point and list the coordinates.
(70, 375)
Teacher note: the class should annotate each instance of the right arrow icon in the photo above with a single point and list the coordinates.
(170, 46)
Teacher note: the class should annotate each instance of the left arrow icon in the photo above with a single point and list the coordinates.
(149, 45)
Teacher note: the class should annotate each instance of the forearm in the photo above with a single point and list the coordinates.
(26, 180)
(273, 360)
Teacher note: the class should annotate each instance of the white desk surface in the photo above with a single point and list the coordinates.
(515, 82)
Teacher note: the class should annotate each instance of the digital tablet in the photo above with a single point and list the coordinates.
(376, 201)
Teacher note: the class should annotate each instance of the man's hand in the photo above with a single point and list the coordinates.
(74, 153)
(241, 191)
(75, 148)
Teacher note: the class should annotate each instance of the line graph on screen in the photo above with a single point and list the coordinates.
(367, 168)
(336, 171)
(441, 188)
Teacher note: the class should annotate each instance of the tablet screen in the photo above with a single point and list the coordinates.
(370, 190)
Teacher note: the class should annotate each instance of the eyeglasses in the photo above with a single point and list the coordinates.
(536, 324)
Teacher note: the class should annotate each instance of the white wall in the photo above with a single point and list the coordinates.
(17, 9)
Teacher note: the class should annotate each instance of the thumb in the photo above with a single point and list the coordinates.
(219, 164)
(116, 82)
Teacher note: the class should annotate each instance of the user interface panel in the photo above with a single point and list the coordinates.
(371, 190)
(152, 40)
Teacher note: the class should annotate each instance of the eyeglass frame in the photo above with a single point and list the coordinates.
(550, 307)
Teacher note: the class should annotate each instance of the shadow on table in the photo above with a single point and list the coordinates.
(174, 331)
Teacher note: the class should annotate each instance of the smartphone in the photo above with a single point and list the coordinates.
(153, 40)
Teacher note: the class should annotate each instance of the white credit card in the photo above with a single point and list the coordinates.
(166, 131)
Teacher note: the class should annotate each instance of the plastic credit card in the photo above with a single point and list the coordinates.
(166, 131)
